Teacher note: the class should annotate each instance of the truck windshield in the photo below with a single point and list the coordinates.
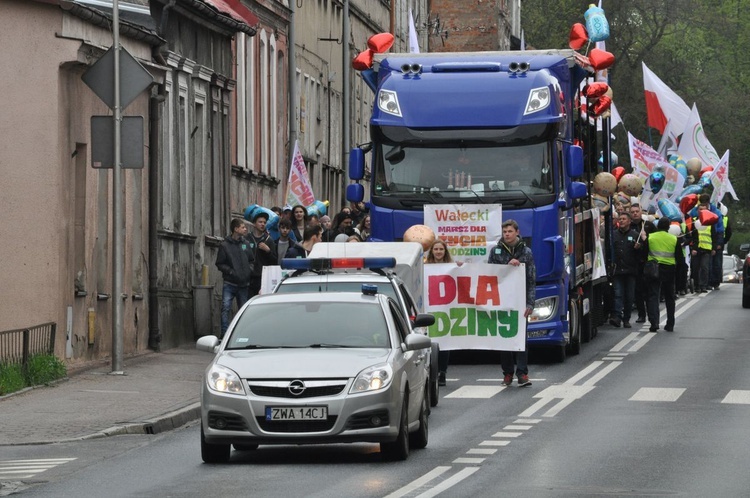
(463, 171)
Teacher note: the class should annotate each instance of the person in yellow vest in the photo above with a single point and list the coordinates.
(662, 247)
(705, 239)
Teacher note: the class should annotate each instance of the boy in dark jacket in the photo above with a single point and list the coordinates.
(235, 262)
(264, 249)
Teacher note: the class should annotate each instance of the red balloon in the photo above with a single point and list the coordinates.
(595, 90)
(707, 169)
(601, 59)
(363, 61)
(688, 202)
(602, 104)
(706, 217)
(618, 172)
(380, 42)
(578, 36)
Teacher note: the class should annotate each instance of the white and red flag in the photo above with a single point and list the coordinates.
(663, 104)
(694, 142)
(298, 188)
(720, 180)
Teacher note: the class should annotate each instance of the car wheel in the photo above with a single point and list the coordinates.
(418, 439)
(434, 386)
(245, 447)
(214, 453)
(399, 449)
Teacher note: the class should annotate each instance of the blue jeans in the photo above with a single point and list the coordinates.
(624, 287)
(229, 294)
(520, 359)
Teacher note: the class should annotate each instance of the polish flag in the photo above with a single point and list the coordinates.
(662, 104)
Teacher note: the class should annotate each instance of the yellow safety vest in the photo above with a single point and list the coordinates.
(704, 238)
(661, 247)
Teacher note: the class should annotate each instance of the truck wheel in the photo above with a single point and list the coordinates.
(574, 328)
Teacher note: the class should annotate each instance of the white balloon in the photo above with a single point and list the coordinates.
(698, 225)
(675, 230)
(723, 210)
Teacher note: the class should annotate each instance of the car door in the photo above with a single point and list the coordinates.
(414, 362)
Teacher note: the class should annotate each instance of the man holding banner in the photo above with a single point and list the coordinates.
(512, 250)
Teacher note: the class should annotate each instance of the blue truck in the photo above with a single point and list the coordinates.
(495, 128)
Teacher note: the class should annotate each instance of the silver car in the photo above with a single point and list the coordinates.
(315, 368)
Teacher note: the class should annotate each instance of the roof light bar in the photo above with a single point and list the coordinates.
(332, 263)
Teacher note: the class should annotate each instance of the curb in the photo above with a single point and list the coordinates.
(163, 423)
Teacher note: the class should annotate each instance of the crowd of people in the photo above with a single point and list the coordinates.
(660, 260)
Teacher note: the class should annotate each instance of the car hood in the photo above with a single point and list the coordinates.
(307, 363)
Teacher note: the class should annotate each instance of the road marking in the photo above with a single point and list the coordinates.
(601, 374)
(657, 394)
(612, 358)
(451, 481)
(475, 392)
(517, 427)
(630, 337)
(482, 451)
(737, 397)
(12, 469)
(684, 308)
(583, 373)
(528, 421)
(638, 345)
(494, 442)
(469, 460)
(507, 434)
(418, 483)
(558, 407)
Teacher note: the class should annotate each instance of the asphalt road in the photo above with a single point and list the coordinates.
(635, 414)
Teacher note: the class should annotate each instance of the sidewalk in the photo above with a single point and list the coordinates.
(159, 391)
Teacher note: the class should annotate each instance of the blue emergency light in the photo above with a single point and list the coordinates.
(369, 289)
(337, 263)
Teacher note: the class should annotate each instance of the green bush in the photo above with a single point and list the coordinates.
(11, 378)
(44, 368)
(41, 369)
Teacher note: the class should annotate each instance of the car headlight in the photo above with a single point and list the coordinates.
(372, 379)
(731, 277)
(388, 102)
(224, 380)
(544, 309)
(539, 99)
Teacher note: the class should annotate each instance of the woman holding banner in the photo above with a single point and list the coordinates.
(439, 253)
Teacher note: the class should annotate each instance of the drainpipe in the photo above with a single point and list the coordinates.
(345, 93)
(154, 146)
(292, 64)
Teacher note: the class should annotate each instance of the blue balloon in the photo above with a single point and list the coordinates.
(657, 182)
(705, 180)
(669, 209)
(690, 189)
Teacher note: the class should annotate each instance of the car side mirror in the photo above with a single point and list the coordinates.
(744, 249)
(423, 320)
(412, 342)
(208, 343)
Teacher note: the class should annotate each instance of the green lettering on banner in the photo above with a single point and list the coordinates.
(457, 316)
(486, 323)
(507, 323)
(442, 324)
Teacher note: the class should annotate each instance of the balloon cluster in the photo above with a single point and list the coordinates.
(598, 95)
(317, 208)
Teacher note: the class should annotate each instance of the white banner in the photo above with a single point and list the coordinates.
(271, 276)
(694, 142)
(469, 230)
(720, 180)
(643, 159)
(476, 306)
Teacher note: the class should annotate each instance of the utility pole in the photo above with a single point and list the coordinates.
(117, 249)
(346, 111)
(292, 51)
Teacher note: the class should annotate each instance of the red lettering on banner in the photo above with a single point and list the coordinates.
(464, 290)
(488, 290)
(441, 290)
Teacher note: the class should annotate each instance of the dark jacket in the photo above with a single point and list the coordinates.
(296, 251)
(262, 258)
(501, 254)
(235, 260)
(626, 256)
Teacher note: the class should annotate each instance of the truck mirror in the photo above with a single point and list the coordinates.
(355, 192)
(744, 249)
(577, 190)
(356, 164)
(574, 157)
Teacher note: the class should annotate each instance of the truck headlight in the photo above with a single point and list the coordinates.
(544, 309)
(539, 99)
(224, 380)
(388, 102)
(372, 379)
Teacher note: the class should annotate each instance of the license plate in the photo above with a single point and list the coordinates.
(296, 412)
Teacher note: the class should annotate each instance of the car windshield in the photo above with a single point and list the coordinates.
(729, 264)
(311, 324)
(290, 287)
